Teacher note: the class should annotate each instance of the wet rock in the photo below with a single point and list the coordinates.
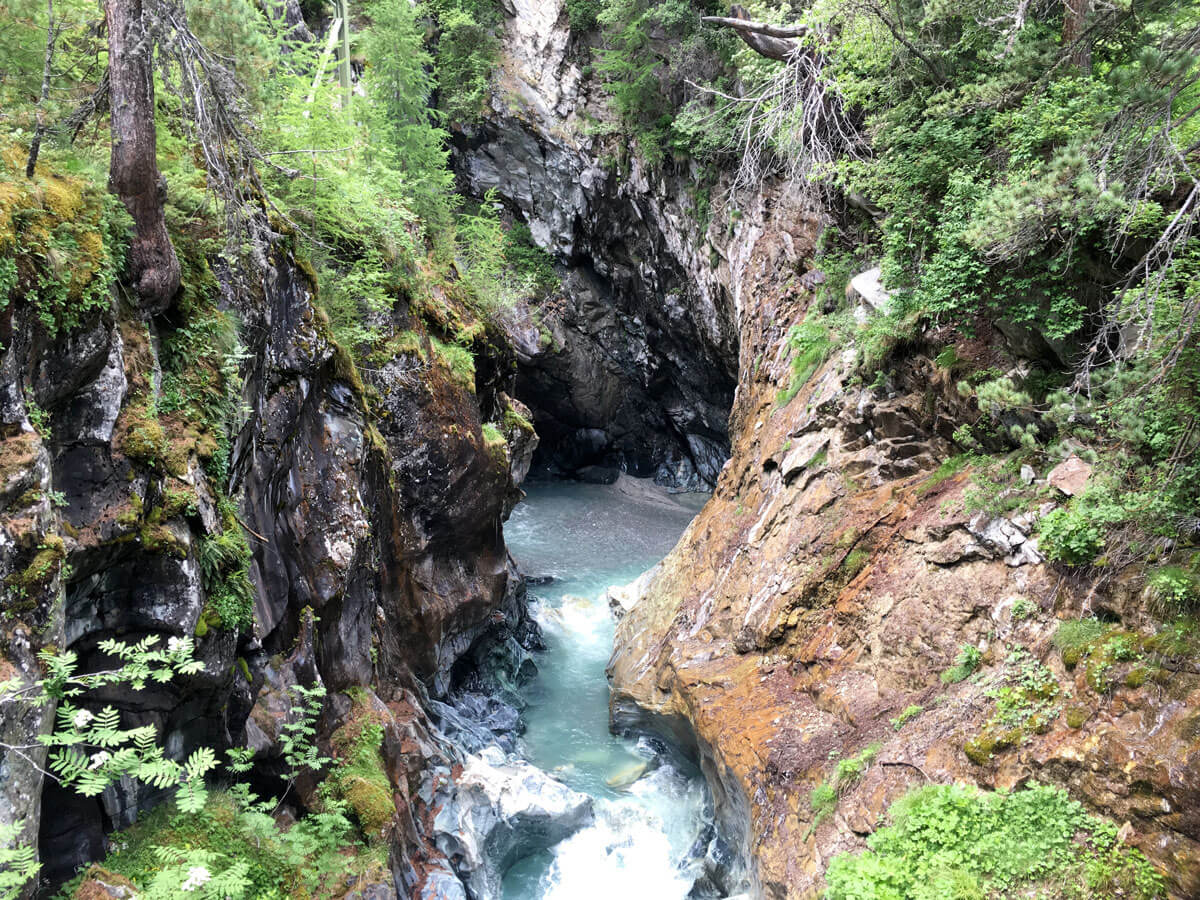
(624, 779)
(598, 474)
(441, 884)
(500, 810)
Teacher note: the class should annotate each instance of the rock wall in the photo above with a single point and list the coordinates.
(633, 366)
(832, 578)
(373, 513)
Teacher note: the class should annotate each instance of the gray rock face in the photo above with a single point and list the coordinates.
(638, 366)
(500, 810)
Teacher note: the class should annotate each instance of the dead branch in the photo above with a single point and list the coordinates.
(772, 41)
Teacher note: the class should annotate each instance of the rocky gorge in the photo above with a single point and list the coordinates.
(818, 610)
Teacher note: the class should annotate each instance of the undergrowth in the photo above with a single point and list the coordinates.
(954, 841)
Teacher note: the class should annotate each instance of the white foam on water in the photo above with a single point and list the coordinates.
(637, 847)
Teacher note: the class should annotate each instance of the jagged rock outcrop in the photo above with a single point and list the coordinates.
(632, 368)
(830, 580)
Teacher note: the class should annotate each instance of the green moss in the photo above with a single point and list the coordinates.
(458, 361)
(159, 538)
(990, 741)
(855, 562)
(514, 421)
(359, 776)
(979, 749)
(144, 439)
(45, 564)
(1076, 716)
(345, 370)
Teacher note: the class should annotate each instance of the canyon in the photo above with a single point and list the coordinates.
(836, 571)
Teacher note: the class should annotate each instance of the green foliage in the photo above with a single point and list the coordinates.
(583, 14)
(1076, 534)
(943, 473)
(90, 751)
(18, 863)
(225, 568)
(1174, 589)
(951, 841)
(62, 239)
(1076, 633)
(846, 773)
(234, 847)
(467, 48)
(907, 715)
(968, 660)
(809, 343)
(38, 417)
(648, 54)
(458, 361)
(298, 735)
(399, 87)
(531, 264)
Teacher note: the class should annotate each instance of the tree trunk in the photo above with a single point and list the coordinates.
(133, 171)
(1075, 15)
(36, 145)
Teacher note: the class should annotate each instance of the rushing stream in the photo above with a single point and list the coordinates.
(587, 537)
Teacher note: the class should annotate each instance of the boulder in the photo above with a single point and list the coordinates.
(500, 810)
(1070, 476)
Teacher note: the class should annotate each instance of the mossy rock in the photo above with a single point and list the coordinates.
(158, 538)
(1071, 656)
(45, 564)
(980, 748)
(145, 440)
(1076, 716)
(371, 801)
(100, 884)
(1137, 676)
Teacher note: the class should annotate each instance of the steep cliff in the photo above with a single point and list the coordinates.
(633, 366)
(372, 511)
(838, 570)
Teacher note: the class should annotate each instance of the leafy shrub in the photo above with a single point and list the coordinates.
(952, 841)
(465, 57)
(1174, 590)
(1068, 534)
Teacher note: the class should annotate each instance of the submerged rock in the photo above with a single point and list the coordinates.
(501, 809)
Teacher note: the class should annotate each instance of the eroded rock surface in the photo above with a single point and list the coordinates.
(828, 583)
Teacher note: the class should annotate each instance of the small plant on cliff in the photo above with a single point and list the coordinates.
(965, 664)
(224, 566)
(846, 774)
(809, 343)
(909, 713)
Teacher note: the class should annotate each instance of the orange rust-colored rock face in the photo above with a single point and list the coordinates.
(824, 589)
